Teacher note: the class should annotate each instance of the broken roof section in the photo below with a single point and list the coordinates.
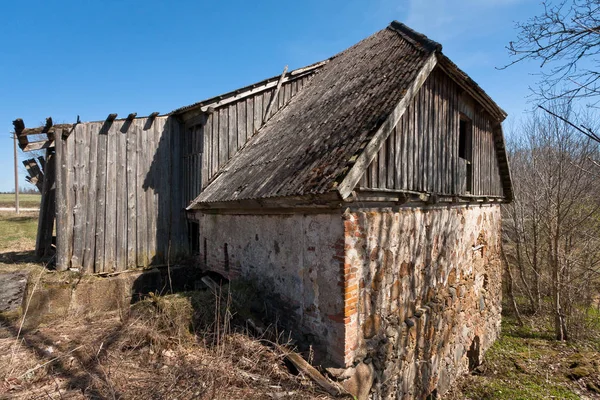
(312, 145)
(235, 95)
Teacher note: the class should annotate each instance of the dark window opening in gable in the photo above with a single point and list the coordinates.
(465, 150)
(464, 138)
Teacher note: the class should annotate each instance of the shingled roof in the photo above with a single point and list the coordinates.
(310, 146)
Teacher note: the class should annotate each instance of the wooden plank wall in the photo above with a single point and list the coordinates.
(421, 154)
(119, 197)
(210, 141)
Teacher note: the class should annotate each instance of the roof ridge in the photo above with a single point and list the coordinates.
(415, 37)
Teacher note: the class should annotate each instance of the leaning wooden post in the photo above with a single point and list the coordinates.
(16, 174)
(43, 243)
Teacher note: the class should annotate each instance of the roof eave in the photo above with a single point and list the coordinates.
(469, 85)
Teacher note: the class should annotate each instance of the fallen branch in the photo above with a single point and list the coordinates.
(304, 367)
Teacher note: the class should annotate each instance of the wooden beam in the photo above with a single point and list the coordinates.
(309, 68)
(111, 117)
(131, 116)
(372, 148)
(36, 177)
(42, 144)
(274, 97)
(153, 115)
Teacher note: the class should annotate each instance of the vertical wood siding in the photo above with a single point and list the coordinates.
(421, 153)
(119, 197)
(210, 141)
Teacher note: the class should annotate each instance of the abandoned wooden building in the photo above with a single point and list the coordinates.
(361, 194)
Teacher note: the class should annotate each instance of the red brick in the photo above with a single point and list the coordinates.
(352, 295)
(337, 318)
(351, 286)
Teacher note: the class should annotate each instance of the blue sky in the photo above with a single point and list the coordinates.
(92, 58)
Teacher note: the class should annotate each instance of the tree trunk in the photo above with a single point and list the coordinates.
(509, 287)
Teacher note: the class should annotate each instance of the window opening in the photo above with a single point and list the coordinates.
(194, 237)
(465, 150)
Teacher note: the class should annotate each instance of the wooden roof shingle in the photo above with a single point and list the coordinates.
(309, 146)
(338, 121)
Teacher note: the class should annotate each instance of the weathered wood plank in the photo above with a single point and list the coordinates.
(223, 136)
(447, 136)
(61, 205)
(389, 148)
(64, 232)
(375, 171)
(133, 186)
(101, 196)
(410, 137)
(122, 199)
(382, 167)
(80, 140)
(152, 177)
(141, 204)
(258, 112)
(110, 227)
(241, 123)
(398, 178)
(215, 144)
(418, 142)
(250, 124)
(232, 130)
(92, 188)
(206, 148)
(431, 133)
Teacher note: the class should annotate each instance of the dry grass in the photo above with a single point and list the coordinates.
(151, 353)
(183, 346)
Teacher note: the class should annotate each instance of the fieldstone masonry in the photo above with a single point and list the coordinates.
(414, 291)
(423, 294)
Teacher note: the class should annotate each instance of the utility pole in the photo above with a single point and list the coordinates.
(16, 174)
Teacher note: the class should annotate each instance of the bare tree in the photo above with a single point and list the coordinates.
(565, 40)
(553, 226)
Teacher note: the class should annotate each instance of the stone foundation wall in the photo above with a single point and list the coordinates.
(294, 260)
(422, 292)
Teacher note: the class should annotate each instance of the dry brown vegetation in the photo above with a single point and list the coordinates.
(149, 353)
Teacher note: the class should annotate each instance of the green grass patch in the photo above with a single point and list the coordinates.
(519, 389)
(527, 363)
(18, 232)
(25, 200)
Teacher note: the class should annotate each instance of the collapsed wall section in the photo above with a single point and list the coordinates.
(427, 297)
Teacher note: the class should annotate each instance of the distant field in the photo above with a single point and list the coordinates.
(17, 232)
(25, 200)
